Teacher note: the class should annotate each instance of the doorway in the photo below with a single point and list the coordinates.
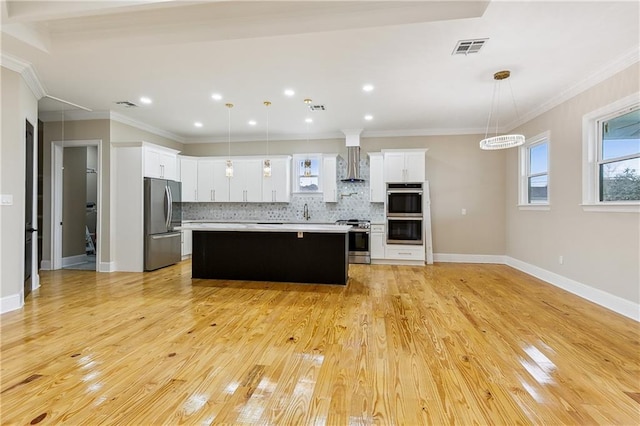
(28, 211)
(76, 207)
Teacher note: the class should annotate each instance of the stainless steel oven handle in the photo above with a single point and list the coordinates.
(404, 191)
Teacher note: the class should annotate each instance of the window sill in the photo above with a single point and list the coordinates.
(612, 208)
(540, 207)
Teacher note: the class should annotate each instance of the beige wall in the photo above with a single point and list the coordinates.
(460, 176)
(18, 104)
(600, 249)
(124, 133)
(74, 201)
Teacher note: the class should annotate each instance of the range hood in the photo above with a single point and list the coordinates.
(353, 155)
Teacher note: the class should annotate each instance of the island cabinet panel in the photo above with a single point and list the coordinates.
(298, 257)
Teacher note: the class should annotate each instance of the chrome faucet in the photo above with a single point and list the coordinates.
(305, 212)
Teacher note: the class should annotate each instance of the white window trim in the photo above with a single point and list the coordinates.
(523, 184)
(295, 184)
(590, 150)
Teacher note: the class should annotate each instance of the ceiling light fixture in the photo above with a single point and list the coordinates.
(308, 120)
(229, 169)
(266, 167)
(289, 92)
(145, 100)
(252, 122)
(368, 117)
(367, 87)
(197, 124)
(502, 141)
(216, 97)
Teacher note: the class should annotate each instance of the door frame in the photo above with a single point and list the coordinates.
(57, 157)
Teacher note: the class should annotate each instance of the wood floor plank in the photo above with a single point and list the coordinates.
(440, 344)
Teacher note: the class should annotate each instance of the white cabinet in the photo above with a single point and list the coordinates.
(376, 178)
(404, 166)
(404, 252)
(329, 178)
(187, 237)
(189, 178)
(277, 187)
(213, 185)
(377, 241)
(246, 183)
(160, 162)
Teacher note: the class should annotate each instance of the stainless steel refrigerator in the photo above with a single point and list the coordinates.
(162, 214)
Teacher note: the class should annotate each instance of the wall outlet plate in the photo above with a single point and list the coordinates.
(6, 199)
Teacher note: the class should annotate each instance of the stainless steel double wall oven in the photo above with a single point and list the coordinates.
(405, 213)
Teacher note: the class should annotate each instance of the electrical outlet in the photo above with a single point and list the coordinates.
(6, 199)
(561, 259)
(463, 211)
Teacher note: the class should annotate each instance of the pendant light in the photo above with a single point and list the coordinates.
(502, 141)
(229, 168)
(266, 167)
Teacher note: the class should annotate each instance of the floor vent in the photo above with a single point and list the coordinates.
(127, 104)
(467, 47)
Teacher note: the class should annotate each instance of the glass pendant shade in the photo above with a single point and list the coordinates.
(266, 166)
(228, 171)
(502, 141)
(229, 168)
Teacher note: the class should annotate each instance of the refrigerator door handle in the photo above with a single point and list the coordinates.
(167, 199)
(170, 209)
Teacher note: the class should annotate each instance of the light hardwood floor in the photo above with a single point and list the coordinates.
(443, 344)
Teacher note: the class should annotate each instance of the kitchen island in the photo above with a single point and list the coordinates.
(305, 253)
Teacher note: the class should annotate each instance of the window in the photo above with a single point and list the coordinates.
(308, 168)
(611, 169)
(534, 172)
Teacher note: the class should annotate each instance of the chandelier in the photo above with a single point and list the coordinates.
(502, 141)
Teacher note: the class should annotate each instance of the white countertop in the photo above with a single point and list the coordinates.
(255, 227)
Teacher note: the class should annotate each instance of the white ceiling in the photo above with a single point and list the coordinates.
(178, 53)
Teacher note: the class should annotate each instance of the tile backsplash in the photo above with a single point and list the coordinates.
(353, 203)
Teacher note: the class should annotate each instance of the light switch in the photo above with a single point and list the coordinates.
(6, 199)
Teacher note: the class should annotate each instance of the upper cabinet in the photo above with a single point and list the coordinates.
(212, 183)
(277, 187)
(376, 178)
(189, 178)
(160, 162)
(330, 178)
(246, 183)
(404, 166)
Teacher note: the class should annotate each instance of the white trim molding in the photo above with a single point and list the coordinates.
(607, 300)
(10, 303)
(74, 260)
(27, 72)
(468, 258)
(107, 267)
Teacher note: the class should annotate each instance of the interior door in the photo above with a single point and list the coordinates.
(28, 210)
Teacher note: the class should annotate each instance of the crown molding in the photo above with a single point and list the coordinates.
(27, 72)
(74, 115)
(623, 62)
(115, 116)
(422, 132)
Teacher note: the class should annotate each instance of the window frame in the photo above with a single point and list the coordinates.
(592, 156)
(524, 154)
(295, 188)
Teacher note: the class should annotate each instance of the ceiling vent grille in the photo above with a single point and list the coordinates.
(467, 47)
(317, 107)
(127, 104)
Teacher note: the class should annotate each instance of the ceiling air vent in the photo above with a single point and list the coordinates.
(317, 107)
(127, 104)
(467, 47)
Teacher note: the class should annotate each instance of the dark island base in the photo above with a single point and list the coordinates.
(319, 258)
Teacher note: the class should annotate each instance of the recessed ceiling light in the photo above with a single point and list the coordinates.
(289, 92)
(197, 124)
(145, 100)
(252, 123)
(308, 120)
(367, 87)
(216, 96)
(368, 117)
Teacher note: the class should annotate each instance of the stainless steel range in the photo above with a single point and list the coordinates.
(359, 240)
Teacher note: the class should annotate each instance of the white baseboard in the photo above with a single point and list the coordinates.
(45, 265)
(469, 258)
(397, 262)
(10, 303)
(107, 267)
(615, 303)
(74, 260)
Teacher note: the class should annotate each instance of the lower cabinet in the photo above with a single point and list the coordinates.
(404, 252)
(186, 243)
(377, 241)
